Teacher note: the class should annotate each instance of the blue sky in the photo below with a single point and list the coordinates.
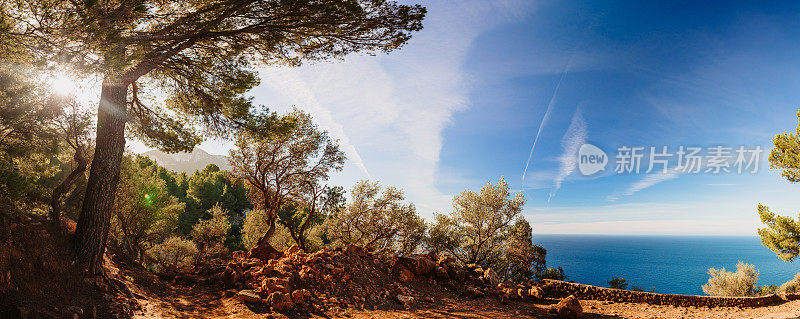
(462, 102)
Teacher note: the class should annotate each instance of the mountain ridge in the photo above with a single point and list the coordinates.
(198, 159)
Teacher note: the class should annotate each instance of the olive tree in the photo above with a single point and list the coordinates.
(286, 169)
(378, 218)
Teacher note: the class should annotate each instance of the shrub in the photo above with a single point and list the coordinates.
(764, 290)
(554, 273)
(618, 283)
(377, 217)
(791, 286)
(210, 233)
(173, 253)
(732, 284)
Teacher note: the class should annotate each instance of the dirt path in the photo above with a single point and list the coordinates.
(633, 310)
(195, 299)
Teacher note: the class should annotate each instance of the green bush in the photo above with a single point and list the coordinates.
(554, 273)
(618, 283)
(173, 253)
(210, 233)
(764, 290)
(791, 286)
(732, 284)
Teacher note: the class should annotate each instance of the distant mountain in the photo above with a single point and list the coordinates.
(188, 162)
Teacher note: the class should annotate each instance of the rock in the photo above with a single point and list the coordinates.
(441, 273)
(264, 252)
(568, 308)
(406, 275)
(490, 277)
(231, 275)
(280, 301)
(407, 301)
(248, 296)
(355, 251)
(291, 250)
(299, 296)
(272, 284)
(229, 293)
(472, 292)
(536, 293)
(250, 263)
(419, 265)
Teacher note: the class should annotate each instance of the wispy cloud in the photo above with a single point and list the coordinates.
(389, 111)
(570, 143)
(648, 181)
(297, 90)
(546, 116)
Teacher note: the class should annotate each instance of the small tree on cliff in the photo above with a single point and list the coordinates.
(782, 234)
(485, 228)
(378, 218)
(278, 169)
(481, 221)
(197, 54)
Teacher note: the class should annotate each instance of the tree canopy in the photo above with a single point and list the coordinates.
(782, 234)
(200, 54)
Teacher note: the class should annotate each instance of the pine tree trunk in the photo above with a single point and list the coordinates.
(93, 224)
(61, 189)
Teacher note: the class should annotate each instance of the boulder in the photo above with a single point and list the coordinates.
(291, 250)
(248, 296)
(490, 277)
(250, 262)
(441, 273)
(264, 251)
(280, 301)
(568, 308)
(536, 293)
(355, 251)
(419, 265)
(272, 284)
(406, 275)
(231, 275)
(300, 296)
(407, 301)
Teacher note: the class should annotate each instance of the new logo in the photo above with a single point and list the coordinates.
(591, 159)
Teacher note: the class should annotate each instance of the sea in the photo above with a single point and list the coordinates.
(664, 264)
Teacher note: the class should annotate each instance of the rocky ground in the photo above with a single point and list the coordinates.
(38, 280)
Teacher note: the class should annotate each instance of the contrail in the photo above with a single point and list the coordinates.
(546, 116)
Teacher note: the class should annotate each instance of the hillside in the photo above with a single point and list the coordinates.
(188, 162)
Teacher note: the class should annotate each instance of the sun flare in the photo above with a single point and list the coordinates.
(63, 84)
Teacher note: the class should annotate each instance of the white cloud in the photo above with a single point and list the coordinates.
(388, 111)
(570, 143)
(649, 180)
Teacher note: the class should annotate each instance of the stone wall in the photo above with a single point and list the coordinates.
(559, 289)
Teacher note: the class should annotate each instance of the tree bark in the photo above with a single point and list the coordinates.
(55, 199)
(93, 224)
(262, 249)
